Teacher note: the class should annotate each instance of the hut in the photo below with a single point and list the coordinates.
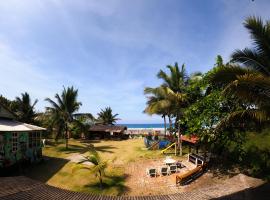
(18, 141)
(192, 141)
(107, 131)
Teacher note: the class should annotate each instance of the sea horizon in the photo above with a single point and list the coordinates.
(143, 125)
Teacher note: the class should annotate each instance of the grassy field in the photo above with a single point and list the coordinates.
(58, 171)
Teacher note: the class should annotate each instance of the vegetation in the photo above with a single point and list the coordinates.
(25, 109)
(223, 105)
(61, 112)
(22, 107)
(106, 117)
(57, 169)
(98, 167)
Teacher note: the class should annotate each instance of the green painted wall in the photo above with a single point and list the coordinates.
(23, 152)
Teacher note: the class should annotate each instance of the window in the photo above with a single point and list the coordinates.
(34, 139)
(14, 142)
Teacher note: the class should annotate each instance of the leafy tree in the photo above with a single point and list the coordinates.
(81, 124)
(25, 109)
(106, 117)
(249, 81)
(62, 110)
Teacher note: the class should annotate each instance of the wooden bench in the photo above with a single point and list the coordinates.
(190, 175)
(196, 159)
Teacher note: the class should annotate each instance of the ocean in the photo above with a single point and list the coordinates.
(141, 126)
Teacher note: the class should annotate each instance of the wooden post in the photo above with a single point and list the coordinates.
(179, 140)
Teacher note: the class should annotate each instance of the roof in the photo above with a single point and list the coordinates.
(190, 138)
(107, 128)
(11, 125)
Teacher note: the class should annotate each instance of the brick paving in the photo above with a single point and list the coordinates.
(18, 188)
(140, 184)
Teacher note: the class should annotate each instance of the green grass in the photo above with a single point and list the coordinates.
(57, 171)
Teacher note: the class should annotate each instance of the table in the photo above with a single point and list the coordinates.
(169, 161)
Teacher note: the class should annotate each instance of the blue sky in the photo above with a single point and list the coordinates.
(111, 49)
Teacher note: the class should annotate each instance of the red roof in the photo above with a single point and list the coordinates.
(190, 138)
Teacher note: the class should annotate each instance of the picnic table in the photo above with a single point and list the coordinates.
(169, 161)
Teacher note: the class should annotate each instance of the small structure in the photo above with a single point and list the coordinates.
(107, 131)
(18, 141)
(192, 141)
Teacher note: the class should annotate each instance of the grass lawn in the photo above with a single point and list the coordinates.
(58, 171)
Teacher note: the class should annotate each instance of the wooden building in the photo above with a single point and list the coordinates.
(18, 141)
(107, 131)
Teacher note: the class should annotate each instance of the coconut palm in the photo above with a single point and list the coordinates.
(62, 110)
(247, 77)
(25, 108)
(158, 103)
(99, 165)
(106, 117)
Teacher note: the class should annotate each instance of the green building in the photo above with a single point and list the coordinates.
(18, 141)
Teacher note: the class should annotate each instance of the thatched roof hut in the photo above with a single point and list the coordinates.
(107, 131)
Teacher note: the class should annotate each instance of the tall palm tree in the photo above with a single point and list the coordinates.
(175, 82)
(25, 108)
(62, 110)
(247, 77)
(106, 117)
(158, 103)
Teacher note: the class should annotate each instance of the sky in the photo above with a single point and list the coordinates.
(110, 50)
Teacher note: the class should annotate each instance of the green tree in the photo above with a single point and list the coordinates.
(158, 103)
(62, 110)
(249, 81)
(99, 165)
(106, 117)
(81, 124)
(25, 108)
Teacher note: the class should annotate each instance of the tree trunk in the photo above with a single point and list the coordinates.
(100, 180)
(170, 122)
(180, 140)
(165, 124)
(66, 136)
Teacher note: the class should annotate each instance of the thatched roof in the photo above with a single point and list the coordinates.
(108, 128)
(7, 125)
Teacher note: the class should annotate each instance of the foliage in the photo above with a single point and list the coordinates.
(80, 125)
(249, 82)
(62, 110)
(106, 117)
(11, 105)
(99, 165)
(25, 108)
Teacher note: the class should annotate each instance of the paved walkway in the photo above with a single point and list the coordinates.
(18, 188)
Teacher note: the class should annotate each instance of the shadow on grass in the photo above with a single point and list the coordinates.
(116, 183)
(44, 170)
(74, 149)
(89, 141)
(105, 148)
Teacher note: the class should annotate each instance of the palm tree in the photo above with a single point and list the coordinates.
(106, 117)
(99, 165)
(157, 103)
(172, 95)
(25, 109)
(62, 110)
(247, 77)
